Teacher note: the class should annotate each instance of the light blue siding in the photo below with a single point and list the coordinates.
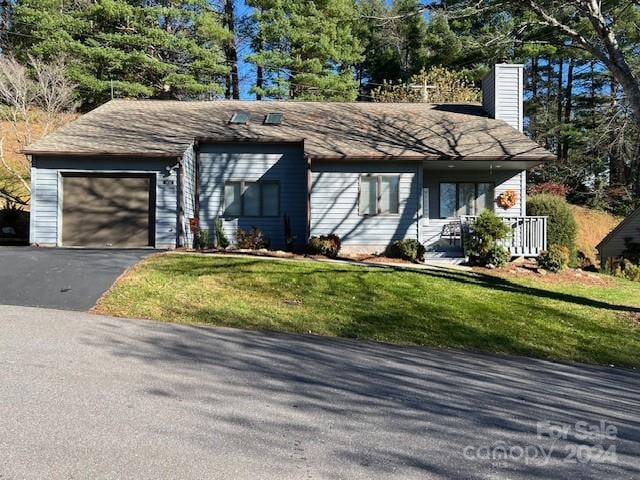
(46, 201)
(503, 180)
(44, 206)
(334, 203)
(502, 94)
(189, 193)
(489, 93)
(252, 162)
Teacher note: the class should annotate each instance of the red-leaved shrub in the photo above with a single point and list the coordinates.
(553, 188)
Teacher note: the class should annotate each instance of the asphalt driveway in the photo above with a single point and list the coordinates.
(68, 279)
(84, 396)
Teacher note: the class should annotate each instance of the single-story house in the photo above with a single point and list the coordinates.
(137, 173)
(613, 245)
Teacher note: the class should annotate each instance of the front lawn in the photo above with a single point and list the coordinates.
(443, 308)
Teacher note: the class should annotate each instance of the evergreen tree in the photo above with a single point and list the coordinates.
(157, 49)
(306, 48)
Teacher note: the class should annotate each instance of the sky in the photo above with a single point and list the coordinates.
(246, 72)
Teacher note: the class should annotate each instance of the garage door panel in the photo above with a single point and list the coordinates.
(101, 211)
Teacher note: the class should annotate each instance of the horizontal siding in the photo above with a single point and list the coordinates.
(284, 163)
(502, 94)
(489, 93)
(509, 95)
(189, 194)
(503, 181)
(45, 199)
(166, 209)
(614, 245)
(511, 181)
(46, 206)
(334, 203)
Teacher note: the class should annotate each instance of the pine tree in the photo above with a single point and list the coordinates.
(306, 48)
(156, 49)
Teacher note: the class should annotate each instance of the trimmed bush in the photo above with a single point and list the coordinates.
(482, 242)
(327, 245)
(562, 227)
(221, 239)
(408, 249)
(252, 239)
(497, 255)
(554, 259)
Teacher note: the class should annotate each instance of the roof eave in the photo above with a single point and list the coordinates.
(248, 139)
(100, 153)
(617, 228)
(502, 158)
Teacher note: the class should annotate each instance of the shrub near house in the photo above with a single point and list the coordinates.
(483, 241)
(562, 227)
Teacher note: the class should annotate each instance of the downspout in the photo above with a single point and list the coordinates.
(309, 186)
(181, 232)
(196, 200)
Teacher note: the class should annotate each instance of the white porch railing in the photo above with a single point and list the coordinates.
(528, 234)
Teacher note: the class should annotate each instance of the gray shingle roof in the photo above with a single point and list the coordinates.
(329, 130)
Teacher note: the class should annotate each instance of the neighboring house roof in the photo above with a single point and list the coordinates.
(328, 130)
(626, 221)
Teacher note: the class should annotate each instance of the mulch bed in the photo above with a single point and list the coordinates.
(529, 270)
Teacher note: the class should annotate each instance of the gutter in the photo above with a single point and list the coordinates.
(196, 160)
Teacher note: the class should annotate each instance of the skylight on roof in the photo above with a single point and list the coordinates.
(239, 118)
(273, 118)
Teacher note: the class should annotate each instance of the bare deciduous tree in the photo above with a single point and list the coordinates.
(24, 89)
(54, 91)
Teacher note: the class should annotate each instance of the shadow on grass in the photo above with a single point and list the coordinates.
(242, 266)
(352, 307)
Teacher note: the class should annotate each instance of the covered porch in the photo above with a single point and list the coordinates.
(455, 192)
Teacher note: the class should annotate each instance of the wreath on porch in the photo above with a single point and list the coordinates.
(507, 199)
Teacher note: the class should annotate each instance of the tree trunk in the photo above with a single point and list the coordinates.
(568, 106)
(259, 81)
(617, 174)
(559, 113)
(534, 77)
(231, 53)
(533, 104)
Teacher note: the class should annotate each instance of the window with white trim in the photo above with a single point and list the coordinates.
(379, 195)
(251, 199)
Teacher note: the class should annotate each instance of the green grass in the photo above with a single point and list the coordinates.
(443, 308)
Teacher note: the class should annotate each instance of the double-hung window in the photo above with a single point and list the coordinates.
(251, 199)
(465, 198)
(379, 195)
